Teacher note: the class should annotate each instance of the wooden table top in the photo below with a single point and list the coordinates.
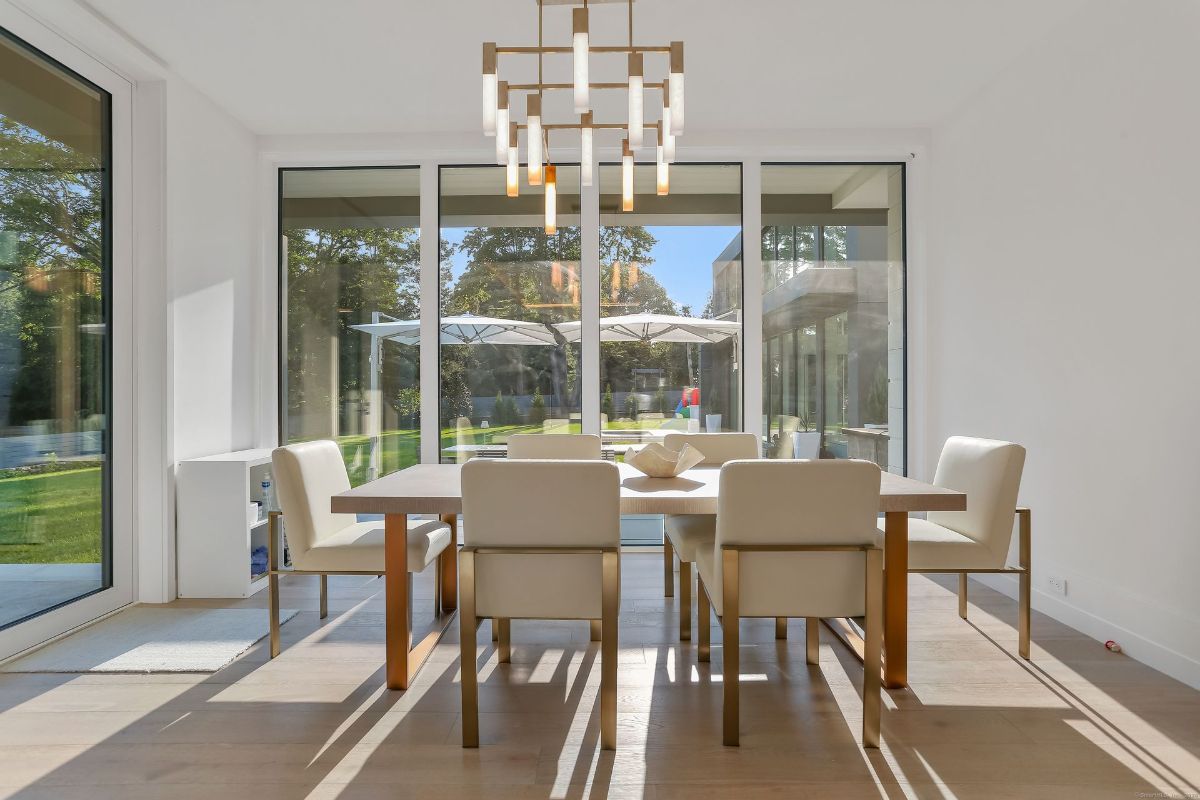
(437, 489)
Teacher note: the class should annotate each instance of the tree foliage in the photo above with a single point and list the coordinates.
(52, 224)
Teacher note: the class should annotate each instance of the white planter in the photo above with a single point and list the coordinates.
(712, 423)
(806, 444)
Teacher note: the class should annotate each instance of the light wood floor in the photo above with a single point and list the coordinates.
(1078, 722)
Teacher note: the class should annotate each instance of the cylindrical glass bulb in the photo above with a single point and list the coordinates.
(676, 84)
(635, 110)
(535, 151)
(512, 172)
(489, 104)
(664, 181)
(627, 182)
(580, 46)
(551, 201)
(501, 135)
(585, 156)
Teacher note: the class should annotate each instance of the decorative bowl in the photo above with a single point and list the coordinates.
(661, 462)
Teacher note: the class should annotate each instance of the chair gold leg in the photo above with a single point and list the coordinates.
(812, 640)
(1026, 557)
(872, 644)
(273, 594)
(610, 608)
(962, 595)
(437, 585)
(469, 682)
(781, 627)
(273, 581)
(685, 601)
(668, 568)
(703, 621)
(324, 596)
(730, 624)
(595, 629)
(504, 644)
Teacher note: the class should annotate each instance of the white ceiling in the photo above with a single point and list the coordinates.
(395, 66)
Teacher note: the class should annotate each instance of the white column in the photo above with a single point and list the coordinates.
(589, 298)
(430, 313)
(752, 340)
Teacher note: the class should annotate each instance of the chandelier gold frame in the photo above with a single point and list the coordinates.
(498, 107)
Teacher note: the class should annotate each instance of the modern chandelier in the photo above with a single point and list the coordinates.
(501, 99)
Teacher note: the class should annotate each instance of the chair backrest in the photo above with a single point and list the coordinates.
(716, 447)
(531, 503)
(562, 446)
(535, 503)
(829, 502)
(306, 476)
(989, 472)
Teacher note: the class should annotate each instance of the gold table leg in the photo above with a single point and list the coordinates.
(668, 567)
(449, 567)
(398, 631)
(895, 600)
(685, 601)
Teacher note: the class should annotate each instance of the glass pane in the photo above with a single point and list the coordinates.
(836, 299)
(670, 303)
(353, 307)
(54, 335)
(510, 315)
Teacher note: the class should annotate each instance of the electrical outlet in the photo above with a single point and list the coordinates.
(1057, 585)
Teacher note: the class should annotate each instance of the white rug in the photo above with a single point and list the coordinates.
(147, 639)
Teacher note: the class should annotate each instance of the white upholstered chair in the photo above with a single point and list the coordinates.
(978, 539)
(794, 539)
(541, 541)
(566, 446)
(562, 446)
(323, 543)
(685, 533)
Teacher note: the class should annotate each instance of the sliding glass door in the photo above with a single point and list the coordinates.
(351, 300)
(671, 303)
(509, 354)
(664, 286)
(833, 311)
(55, 335)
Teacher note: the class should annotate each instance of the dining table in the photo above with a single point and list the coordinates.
(437, 489)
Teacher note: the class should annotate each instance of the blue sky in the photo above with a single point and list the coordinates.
(683, 258)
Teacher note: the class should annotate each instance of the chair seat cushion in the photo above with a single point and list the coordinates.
(935, 547)
(359, 548)
(690, 532)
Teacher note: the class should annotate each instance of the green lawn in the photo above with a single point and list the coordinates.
(51, 519)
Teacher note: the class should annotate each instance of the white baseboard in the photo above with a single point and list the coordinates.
(1150, 653)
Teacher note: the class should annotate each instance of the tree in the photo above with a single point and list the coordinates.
(606, 404)
(537, 408)
(631, 406)
(52, 219)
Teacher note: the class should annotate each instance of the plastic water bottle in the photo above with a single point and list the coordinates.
(268, 494)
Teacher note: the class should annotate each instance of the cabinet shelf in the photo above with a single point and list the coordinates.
(216, 534)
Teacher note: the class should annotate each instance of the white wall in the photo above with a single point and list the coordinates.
(1062, 302)
(212, 253)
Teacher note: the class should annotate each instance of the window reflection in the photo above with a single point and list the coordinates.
(54, 335)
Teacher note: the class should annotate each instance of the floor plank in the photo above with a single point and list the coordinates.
(317, 723)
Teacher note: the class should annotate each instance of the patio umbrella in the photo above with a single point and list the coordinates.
(464, 329)
(657, 328)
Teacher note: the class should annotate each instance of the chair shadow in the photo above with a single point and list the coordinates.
(800, 724)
